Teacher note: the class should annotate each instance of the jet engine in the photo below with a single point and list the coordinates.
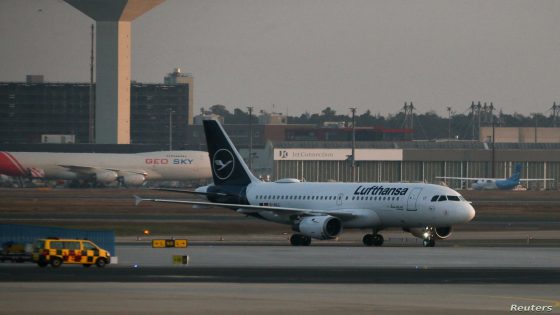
(437, 233)
(105, 177)
(319, 227)
(133, 180)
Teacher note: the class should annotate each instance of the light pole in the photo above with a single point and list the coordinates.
(250, 108)
(353, 157)
(449, 112)
(171, 112)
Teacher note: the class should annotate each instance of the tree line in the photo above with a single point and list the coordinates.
(426, 126)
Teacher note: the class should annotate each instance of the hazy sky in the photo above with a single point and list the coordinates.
(305, 55)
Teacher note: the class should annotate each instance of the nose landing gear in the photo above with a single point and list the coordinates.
(429, 239)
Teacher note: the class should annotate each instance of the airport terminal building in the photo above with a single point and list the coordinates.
(277, 154)
(417, 161)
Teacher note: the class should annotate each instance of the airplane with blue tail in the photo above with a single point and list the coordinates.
(498, 183)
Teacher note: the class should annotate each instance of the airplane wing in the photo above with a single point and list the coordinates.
(194, 192)
(93, 169)
(248, 209)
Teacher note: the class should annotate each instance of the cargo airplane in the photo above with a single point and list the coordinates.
(105, 168)
(497, 183)
(322, 210)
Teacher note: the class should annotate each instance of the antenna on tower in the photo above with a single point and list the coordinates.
(408, 121)
(91, 116)
(555, 112)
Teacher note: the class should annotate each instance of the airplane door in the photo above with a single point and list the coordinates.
(412, 199)
(339, 199)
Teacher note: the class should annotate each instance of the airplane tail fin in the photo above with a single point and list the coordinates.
(228, 167)
(516, 175)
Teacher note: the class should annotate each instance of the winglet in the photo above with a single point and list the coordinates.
(137, 200)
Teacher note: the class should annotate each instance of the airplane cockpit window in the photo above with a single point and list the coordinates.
(453, 198)
(435, 198)
(442, 198)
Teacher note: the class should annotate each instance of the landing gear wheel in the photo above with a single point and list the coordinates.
(429, 243)
(378, 240)
(373, 240)
(300, 240)
(368, 239)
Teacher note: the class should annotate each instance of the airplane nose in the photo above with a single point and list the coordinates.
(469, 213)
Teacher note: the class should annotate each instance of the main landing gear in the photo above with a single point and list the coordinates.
(300, 240)
(373, 239)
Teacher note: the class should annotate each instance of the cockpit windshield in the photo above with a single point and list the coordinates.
(449, 197)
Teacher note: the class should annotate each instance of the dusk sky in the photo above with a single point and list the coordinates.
(307, 55)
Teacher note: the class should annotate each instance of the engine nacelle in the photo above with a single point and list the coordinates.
(106, 177)
(133, 180)
(438, 232)
(319, 227)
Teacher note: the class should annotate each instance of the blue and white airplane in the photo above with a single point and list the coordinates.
(497, 183)
(322, 210)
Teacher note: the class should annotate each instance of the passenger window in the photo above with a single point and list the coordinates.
(72, 245)
(442, 198)
(347, 198)
(435, 198)
(56, 245)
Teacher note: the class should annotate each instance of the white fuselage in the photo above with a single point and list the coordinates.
(163, 165)
(371, 204)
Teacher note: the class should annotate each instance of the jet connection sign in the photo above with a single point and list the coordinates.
(337, 154)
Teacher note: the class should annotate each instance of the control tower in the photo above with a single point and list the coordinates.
(112, 93)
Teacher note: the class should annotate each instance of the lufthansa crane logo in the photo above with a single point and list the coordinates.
(222, 164)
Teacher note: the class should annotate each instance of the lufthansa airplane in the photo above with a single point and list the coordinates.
(130, 169)
(322, 210)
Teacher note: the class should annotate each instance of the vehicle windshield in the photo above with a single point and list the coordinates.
(89, 246)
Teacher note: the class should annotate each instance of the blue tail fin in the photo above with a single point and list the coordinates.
(515, 176)
(228, 167)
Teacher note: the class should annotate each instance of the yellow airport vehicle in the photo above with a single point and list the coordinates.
(56, 251)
